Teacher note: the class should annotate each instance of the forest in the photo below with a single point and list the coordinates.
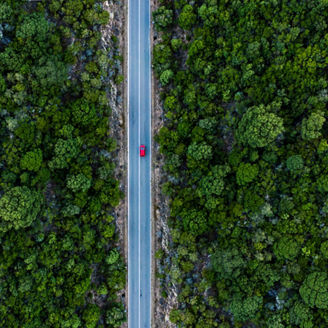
(244, 88)
(60, 265)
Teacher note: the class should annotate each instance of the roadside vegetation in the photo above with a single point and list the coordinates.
(59, 263)
(244, 89)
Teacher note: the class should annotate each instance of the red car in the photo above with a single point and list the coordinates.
(142, 149)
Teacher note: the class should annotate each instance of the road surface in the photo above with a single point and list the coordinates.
(139, 169)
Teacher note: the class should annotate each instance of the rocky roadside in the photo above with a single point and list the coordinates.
(161, 233)
(117, 100)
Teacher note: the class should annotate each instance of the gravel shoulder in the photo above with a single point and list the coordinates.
(161, 234)
(118, 102)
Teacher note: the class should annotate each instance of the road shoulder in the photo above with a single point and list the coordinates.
(118, 123)
(160, 211)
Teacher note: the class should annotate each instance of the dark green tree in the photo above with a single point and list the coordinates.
(19, 207)
(314, 290)
(294, 163)
(228, 263)
(311, 126)
(258, 127)
(32, 160)
(246, 173)
(187, 17)
(246, 309)
(163, 17)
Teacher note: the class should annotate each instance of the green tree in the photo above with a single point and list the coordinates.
(246, 173)
(49, 72)
(228, 263)
(324, 249)
(314, 290)
(166, 77)
(208, 124)
(311, 126)
(71, 210)
(286, 248)
(246, 309)
(194, 221)
(115, 316)
(323, 183)
(113, 257)
(163, 17)
(78, 182)
(73, 322)
(294, 163)
(301, 315)
(275, 322)
(187, 17)
(84, 113)
(19, 207)
(91, 315)
(170, 103)
(65, 151)
(32, 160)
(213, 183)
(34, 27)
(163, 57)
(200, 151)
(176, 44)
(5, 11)
(258, 127)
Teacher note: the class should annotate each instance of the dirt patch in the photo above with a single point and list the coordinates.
(161, 234)
(117, 27)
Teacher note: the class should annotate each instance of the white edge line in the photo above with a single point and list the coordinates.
(139, 219)
(150, 159)
(128, 147)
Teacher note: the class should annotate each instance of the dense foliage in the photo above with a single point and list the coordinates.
(245, 91)
(59, 265)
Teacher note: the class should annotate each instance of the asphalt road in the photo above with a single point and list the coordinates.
(139, 175)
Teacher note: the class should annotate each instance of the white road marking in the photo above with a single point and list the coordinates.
(133, 303)
(128, 146)
(139, 79)
(150, 163)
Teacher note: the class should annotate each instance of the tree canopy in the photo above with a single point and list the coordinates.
(243, 87)
(57, 175)
(19, 207)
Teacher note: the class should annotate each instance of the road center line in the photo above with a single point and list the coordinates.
(150, 162)
(139, 180)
